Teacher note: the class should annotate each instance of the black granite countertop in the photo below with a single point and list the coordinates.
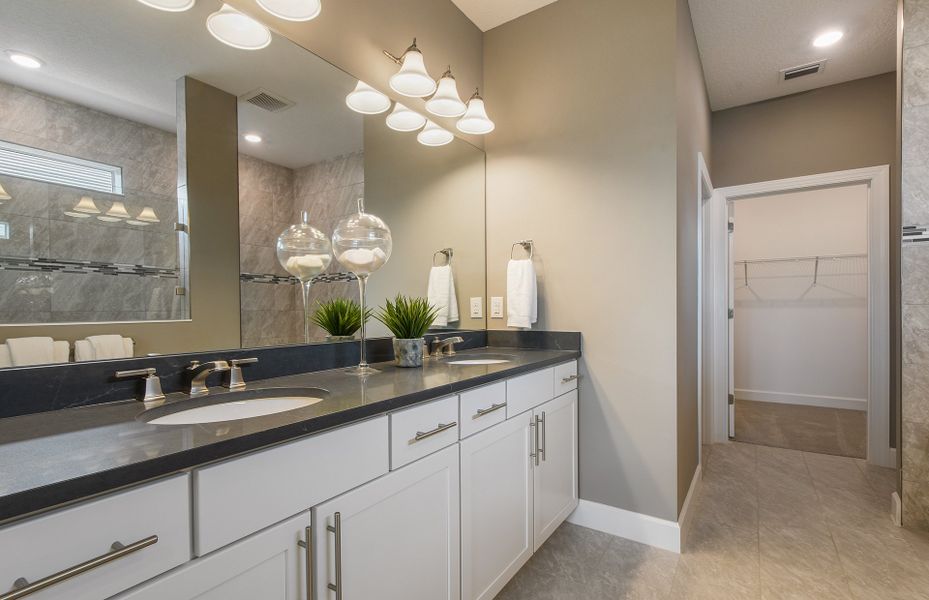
(51, 458)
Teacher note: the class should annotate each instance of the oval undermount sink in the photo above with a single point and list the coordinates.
(235, 406)
(485, 359)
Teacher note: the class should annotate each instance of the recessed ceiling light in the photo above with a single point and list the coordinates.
(237, 30)
(828, 38)
(292, 10)
(24, 60)
(253, 138)
(170, 5)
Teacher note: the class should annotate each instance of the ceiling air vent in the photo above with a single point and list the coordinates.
(266, 100)
(803, 70)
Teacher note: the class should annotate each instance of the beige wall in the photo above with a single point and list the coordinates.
(693, 136)
(583, 162)
(834, 128)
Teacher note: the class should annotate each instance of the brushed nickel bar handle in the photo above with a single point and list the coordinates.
(486, 411)
(569, 378)
(308, 546)
(22, 587)
(337, 530)
(542, 447)
(421, 435)
(534, 425)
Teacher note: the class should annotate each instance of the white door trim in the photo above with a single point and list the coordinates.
(878, 181)
(705, 309)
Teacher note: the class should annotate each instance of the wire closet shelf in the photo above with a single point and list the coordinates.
(824, 264)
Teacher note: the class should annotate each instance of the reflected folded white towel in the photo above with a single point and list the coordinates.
(363, 260)
(441, 295)
(31, 351)
(521, 294)
(108, 346)
(307, 266)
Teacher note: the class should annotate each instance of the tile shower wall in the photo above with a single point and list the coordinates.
(88, 288)
(271, 198)
(915, 266)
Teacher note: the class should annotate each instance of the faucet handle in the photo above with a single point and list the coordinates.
(235, 381)
(153, 395)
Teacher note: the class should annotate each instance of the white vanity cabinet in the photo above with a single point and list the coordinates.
(270, 564)
(555, 474)
(396, 538)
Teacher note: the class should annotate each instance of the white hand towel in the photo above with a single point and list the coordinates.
(31, 351)
(107, 346)
(441, 295)
(521, 294)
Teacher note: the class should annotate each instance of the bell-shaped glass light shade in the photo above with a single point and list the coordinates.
(446, 102)
(292, 10)
(170, 5)
(366, 100)
(404, 119)
(304, 252)
(433, 135)
(148, 215)
(117, 212)
(412, 79)
(4, 195)
(235, 29)
(85, 208)
(475, 120)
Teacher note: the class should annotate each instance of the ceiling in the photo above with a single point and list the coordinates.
(745, 43)
(123, 58)
(487, 14)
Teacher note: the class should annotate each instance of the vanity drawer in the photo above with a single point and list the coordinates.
(528, 391)
(153, 518)
(421, 430)
(482, 408)
(242, 495)
(565, 377)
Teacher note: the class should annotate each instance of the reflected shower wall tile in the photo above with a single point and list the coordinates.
(93, 134)
(916, 334)
(257, 296)
(158, 294)
(915, 179)
(915, 505)
(160, 249)
(915, 393)
(286, 299)
(916, 83)
(915, 451)
(338, 172)
(25, 293)
(73, 292)
(159, 147)
(29, 198)
(915, 273)
(97, 316)
(23, 111)
(29, 237)
(916, 16)
(87, 240)
(259, 260)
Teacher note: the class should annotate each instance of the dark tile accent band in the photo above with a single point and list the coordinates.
(83, 267)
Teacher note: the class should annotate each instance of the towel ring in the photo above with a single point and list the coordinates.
(448, 252)
(527, 246)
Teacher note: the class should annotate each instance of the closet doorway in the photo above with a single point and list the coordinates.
(808, 289)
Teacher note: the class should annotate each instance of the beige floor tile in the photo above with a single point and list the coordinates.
(836, 472)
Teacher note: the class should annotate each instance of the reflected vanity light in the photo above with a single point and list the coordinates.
(84, 208)
(292, 10)
(475, 120)
(117, 212)
(24, 60)
(235, 29)
(366, 100)
(412, 79)
(446, 102)
(404, 120)
(146, 217)
(433, 135)
(170, 5)
(252, 138)
(4, 196)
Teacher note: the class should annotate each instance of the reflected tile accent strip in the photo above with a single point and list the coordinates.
(290, 280)
(83, 267)
(915, 233)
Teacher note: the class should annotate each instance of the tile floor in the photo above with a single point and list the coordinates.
(807, 428)
(769, 523)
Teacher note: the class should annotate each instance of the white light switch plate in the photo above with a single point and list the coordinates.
(496, 307)
(477, 307)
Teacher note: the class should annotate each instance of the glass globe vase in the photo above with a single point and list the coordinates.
(304, 252)
(362, 243)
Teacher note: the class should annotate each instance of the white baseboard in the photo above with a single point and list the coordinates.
(896, 509)
(685, 517)
(803, 399)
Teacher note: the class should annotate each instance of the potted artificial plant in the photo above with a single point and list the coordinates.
(340, 318)
(408, 319)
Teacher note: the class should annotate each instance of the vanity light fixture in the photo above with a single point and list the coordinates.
(4, 195)
(433, 135)
(412, 79)
(292, 10)
(170, 5)
(828, 38)
(252, 138)
(116, 213)
(146, 217)
(84, 208)
(404, 120)
(366, 100)
(475, 120)
(235, 29)
(24, 60)
(446, 102)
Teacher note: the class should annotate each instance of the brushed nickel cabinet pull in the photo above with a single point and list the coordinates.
(486, 411)
(337, 531)
(534, 425)
(542, 446)
(308, 546)
(22, 587)
(421, 435)
(569, 378)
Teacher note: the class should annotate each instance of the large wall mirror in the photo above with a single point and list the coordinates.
(100, 233)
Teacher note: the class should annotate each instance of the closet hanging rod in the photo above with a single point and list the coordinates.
(799, 258)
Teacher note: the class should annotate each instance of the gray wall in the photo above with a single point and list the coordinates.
(834, 128)
(583, 161)
(693, 136)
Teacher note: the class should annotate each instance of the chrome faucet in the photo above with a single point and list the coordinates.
(446, 346)
(199, 372)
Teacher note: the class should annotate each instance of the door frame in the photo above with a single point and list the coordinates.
(878, 181)
(705, 306)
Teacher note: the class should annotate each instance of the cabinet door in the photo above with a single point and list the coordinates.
(270, 565)
(555, 476)
(396, 538)
(496, 506)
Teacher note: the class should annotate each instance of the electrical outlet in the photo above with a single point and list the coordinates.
(496, 307)
(477, 307)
